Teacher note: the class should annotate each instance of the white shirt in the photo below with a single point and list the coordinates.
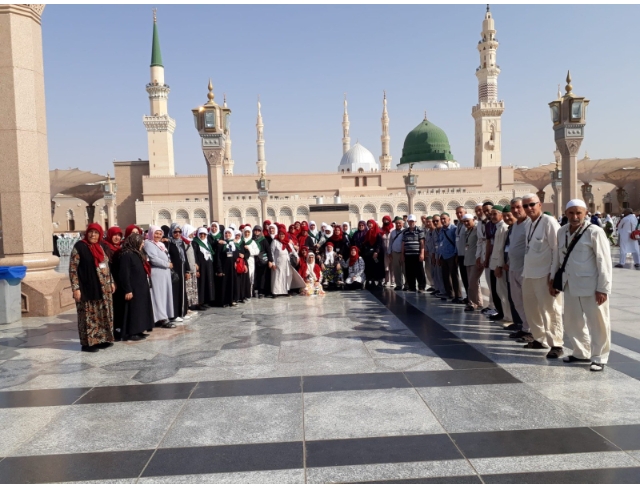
(481, 250)
(541, 243)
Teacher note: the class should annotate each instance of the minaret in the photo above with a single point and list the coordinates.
(346, 140)
(487, 113)
(159, 124)
(385, 158)
(228, 162)
(262, 163)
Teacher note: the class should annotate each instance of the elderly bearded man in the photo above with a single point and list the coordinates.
(586, 282)
(542, 307)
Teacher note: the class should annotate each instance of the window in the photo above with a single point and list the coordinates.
(182, 216)
(286, 211)
(452, 205)
(470, 205)
(164, 217)
(234, 213)
(403, 208)
(251, 213)
(302, 211)
(420, 207)
(364, 181)
(386, 209)
(369, 208)
(357, 181)
(436, 206)
(271, 213)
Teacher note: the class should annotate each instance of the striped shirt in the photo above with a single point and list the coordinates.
(411, 240)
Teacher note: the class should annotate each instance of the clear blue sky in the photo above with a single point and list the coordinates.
(301, 59)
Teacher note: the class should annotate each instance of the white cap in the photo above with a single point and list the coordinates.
(576, 202)
(467, 217)
(411, 218)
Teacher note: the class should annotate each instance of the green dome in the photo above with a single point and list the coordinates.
(426, 142)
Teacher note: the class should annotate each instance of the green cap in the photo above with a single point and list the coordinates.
(547, 213)
(398, 218)
(506, 209)
(429, 218)
(444, 214)
(497, 207)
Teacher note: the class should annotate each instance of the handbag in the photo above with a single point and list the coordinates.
(262, 259)
(635, 235)
(174, 276)
(557, 279)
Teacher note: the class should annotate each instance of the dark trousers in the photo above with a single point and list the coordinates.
(497, 302)
(514, 312)
(450, 277)
(353, 286)
(414, 270)
(463, 274)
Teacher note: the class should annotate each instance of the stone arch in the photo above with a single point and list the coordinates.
(302, 211)
(387, 209)
(285, 215)
(403, 208)
(251, 213)
(271, 214)
(285, 211)
(504, 202)
(199, 217)
(369, 208)
(436, 207)
(182, 216)
(354, 210)
(420, 207)
(452, 205)
(234, 213)
(164, 218)
(470, 205)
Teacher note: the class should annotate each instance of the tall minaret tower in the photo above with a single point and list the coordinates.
(346, 140)
(385, 158)
(159, 124)
(487, 113)
(262, 163)
(228, 162)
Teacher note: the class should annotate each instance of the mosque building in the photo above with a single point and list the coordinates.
(149, 192)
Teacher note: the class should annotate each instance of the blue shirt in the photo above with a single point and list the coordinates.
(447, 246)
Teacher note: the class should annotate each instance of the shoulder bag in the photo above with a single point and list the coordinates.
(557, 279)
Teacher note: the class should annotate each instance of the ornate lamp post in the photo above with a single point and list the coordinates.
(110, 190)
(263, 194)
(410, 182)
(212, 123)
(569, 117)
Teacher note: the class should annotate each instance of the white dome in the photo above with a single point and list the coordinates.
(358, 157)
(440, 165)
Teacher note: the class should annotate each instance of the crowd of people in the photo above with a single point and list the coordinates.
(127, 284)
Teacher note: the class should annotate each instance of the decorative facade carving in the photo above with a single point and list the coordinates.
(214, 157)
(163, 123)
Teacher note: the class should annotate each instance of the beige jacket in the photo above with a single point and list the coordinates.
(499, 239)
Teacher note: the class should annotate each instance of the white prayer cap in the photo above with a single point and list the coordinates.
(467, 217)
(411, 218)
(576, 202)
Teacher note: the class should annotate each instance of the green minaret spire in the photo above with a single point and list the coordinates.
(156, 55)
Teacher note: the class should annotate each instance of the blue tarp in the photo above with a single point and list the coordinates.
(14, 272)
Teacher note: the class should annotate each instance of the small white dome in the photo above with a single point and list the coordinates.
(440, 165)
(356, 158)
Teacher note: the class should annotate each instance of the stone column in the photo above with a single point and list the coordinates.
(263, 208)
(110, 202)
(91, 213)
(558, 209)
(25, 199)
(214, 172)
(541, 194)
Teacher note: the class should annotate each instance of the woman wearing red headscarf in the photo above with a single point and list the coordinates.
(304, 239)
(92, 287)
(133, 229)
(372, 251)
(355, 272)
(283, 276)
(112, 243)
(387, 226)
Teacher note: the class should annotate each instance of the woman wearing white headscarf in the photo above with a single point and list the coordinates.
(251, 250)
(188, 234)
(242, 278)
(226, 255)
(311, 273)
(205, 268)
(161, 293)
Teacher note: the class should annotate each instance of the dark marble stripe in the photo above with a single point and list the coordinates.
(247, 387)
(355, 382)
(462, 479)
(629, 475)
(392, 449)
(448, 346)
(471, 377)
(75, 467)
(226, 458)
(625, 341)
(142, 392)
(632, 369)
(41, 398)
(554, 441)
(625, 436)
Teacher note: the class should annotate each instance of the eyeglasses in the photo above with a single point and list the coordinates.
(177, 231)
(529, 205)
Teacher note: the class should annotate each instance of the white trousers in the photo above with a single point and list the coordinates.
(543, 311)
(397, 269)
(587, 327)
(428, 271)
(515, 280)
(503, 292)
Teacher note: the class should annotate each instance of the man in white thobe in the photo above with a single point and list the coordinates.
(586, 283)
(542, 307)
(627, 246)
(496, 265)
(481, 252)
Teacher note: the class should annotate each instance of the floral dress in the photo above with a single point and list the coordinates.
(95, 317)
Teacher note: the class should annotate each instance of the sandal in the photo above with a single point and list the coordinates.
(570, 358)
(169, 325)
(596, 367)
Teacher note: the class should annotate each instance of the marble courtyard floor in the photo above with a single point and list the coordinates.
(352, 387)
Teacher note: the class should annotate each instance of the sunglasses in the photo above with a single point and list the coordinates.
(177, 231)
(529, 205)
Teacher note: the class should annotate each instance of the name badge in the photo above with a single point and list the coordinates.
(102, 265)
(229, 254)
(466, 247)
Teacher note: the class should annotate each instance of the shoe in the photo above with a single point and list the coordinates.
(397, 288)
(168, 324)
(636, 266)
(105, 345)
(234, 304)
(457, 301)
(92, 349)
(260, 296)
(496, 317)
(536, 345)
(489, 312)
(422, 291)
(136, 338)
(596, 367)
(469, 309)
(619, 266)
(570, 358)
(526, 338)
(441, 295)
(177, 319)
(465, 300)
(431, 289)
(485, 310)
(555, 352)
(518, 334)
(187, 317)
(511, 327)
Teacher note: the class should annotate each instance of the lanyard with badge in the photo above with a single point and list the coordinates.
(531, 233)
(578, 233)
